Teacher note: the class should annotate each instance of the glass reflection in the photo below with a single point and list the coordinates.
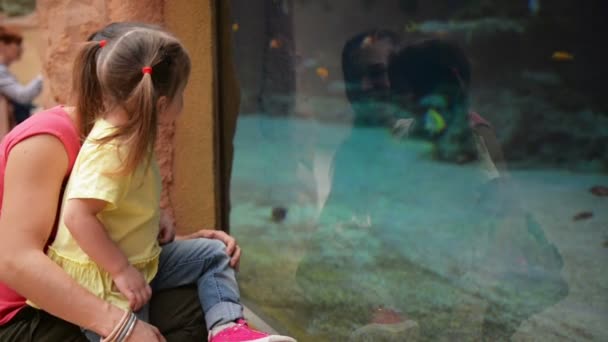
(411, 170)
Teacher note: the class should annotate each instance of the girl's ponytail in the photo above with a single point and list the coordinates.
(85, 86)
(143, 121)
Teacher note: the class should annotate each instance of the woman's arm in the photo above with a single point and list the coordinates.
(12, 89)
(32, 184)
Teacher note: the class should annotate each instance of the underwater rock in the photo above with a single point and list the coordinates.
(599, 190)
(279, 214)
(402, 331)
(584, 215)
(549, 129)
(383, 315)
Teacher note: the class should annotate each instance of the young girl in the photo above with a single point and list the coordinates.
(108, 237)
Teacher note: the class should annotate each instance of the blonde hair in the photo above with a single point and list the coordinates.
(122, 83)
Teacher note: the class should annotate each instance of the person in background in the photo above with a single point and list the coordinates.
(19, 97)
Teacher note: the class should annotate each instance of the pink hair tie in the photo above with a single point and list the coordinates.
(146, 70)
(102, 43)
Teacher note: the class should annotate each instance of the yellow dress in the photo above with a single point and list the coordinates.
(131, 216)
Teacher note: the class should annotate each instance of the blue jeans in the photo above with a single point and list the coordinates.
(203, 262)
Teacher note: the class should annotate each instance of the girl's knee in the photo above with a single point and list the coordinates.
(217, 246)
(210, 247)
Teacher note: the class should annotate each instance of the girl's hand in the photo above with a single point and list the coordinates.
(132, 284)
(145, 332)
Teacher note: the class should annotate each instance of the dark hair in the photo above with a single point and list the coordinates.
(421, 68)
(350, 55)
(86, 91)
(8, 36)
(123, 84)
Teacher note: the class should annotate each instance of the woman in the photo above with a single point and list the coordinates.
(35, 161)
(17, 98)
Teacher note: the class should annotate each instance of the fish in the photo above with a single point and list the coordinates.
(599, 190)
(235, 27)
(584, 215)
(534, 6)
(274, 43)
(434, 122)
(562, 56)
(278, 214)
(323, 73)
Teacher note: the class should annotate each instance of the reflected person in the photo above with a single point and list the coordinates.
(365, 59)
(430, 82)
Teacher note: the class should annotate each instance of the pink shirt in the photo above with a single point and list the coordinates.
(55, 122)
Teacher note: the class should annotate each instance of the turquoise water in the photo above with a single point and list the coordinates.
(373, 222)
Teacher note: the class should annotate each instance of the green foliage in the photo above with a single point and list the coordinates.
(14, 8)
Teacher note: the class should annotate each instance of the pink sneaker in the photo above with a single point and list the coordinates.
(241, 332)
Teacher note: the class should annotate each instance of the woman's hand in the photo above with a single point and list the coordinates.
(132, 284)
(232, 248)
(144, 332)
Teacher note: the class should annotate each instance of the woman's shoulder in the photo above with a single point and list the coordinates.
(54, 121)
